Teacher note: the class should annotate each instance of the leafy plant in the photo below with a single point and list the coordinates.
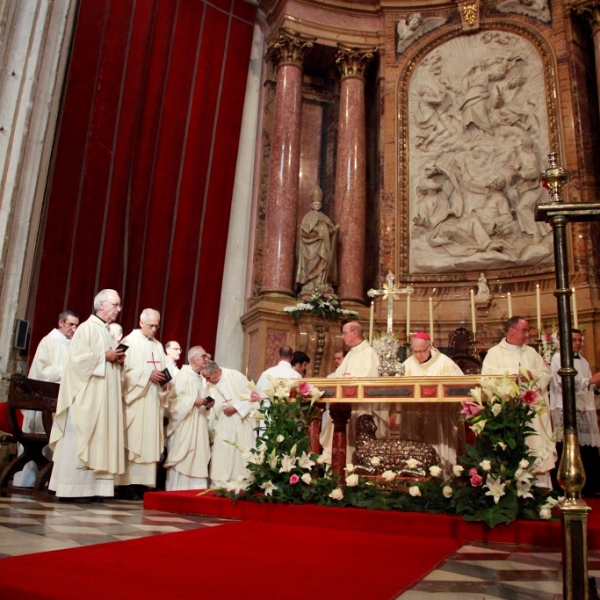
(328, 306)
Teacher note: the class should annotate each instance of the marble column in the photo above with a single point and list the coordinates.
(350, 178)
(287, 50)
(594, 19)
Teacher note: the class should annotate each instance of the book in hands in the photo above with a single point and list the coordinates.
(167, 375)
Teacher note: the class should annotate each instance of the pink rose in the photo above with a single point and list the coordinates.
(470, 409)
(305, 388)
(305, 298)
(476, 480)
(294, 479)
(472, 472)
(325, 295)
(255, 396)
(530, 397)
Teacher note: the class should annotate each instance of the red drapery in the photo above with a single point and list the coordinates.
(140, 190)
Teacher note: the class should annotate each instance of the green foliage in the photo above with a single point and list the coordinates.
(328, 306)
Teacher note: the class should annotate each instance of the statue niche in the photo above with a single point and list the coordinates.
(317, 256)
(478, 127)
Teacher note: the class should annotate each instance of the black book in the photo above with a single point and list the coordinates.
(167, 375)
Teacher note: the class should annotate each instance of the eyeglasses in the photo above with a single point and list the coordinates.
(153, 327)
(175, 349)
(115, 304)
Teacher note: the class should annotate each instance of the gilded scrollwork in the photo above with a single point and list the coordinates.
(352, 62)
(289, 47)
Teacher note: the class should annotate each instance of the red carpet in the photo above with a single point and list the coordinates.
(236, 560)
(535, 533)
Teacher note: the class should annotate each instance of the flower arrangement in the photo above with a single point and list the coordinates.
(550, 345)
(492, 483)
(325, 305)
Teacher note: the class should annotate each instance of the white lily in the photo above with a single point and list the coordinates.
(495, 488)
(269, 487)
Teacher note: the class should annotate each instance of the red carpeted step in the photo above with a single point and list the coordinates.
(236, 560)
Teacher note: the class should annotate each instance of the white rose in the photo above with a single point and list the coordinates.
(375, 461)
(306, 478)
(414, 491)
(279, 439)
(337, 494)
(352, 480)
(545, 512)
(524, 463)
(486, 465)
(447, 491)
(349, 468)
(434, 470)
(457, 470)
(388, 475)
(412, 463)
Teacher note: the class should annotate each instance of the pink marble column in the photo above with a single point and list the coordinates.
(350, 179)
(287, 50)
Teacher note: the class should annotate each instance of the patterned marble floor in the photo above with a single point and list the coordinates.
(28, 526)
(491, 571)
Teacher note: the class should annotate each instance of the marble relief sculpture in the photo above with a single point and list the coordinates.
(317, 251)
(477, 130)
(412, 27)
(532, 8)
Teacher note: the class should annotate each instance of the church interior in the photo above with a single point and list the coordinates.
(170, 150)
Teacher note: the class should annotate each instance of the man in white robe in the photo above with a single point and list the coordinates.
(173, 352)
(144, 398)
(188, 441)
(231, 423)
(508, 356)
(87, 435)
(360, 361)
(587, 420)
(282, 370)
(432, 422)
(47, 365)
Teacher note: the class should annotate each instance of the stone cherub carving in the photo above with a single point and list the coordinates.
(393, 454)
(532, 8)
(414, 26)
(317, 261)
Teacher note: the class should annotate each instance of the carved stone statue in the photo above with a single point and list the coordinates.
(483, 289)
(317, 268)
(413, 27)
(393, 454)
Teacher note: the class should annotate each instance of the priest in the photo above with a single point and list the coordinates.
(47, 365)
(173, 352)
(231, 423)
(87, 435)
(145, 391)
(510, 355)
(432, 422)
(188, 443)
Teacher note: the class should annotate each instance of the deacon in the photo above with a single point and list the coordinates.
(231, 422)
(47, 365)
(432, 422)
(145, 391)
(510, 355)
(282, 370)
(87, 435)
(587, 421)
(188, 442)
(173, 352)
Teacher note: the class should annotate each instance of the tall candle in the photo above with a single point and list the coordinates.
(371, 322)
(431, 319)
(538, 307)
(408, 318)
(473, 311)
(509, 305)
(575, 319)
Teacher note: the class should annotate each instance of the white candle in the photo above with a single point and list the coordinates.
(408, 317)
(431, 319)
(371, 322)
(509, 305)
(473, 312)
(538, 307)
(574, 309)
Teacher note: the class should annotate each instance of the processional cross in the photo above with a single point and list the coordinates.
(390, 293)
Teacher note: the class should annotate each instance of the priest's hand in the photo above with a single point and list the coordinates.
(229, 411)
(157, 376)
(114, 355)
(203, 402)
(595, 379)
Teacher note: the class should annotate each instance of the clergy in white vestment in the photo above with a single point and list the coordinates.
(361, 361)
(144, 399)
(231, 423)
(510, 355)
(587, 420)
(432, 422)
(47, 365)
(188, 441)
(173, 352)
(87, 435)
(116, 330)
(282, 370)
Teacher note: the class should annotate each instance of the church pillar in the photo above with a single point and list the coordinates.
(287, 50)
(594, 19)
(350, 179)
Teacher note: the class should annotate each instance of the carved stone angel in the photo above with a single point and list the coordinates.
(413, 27)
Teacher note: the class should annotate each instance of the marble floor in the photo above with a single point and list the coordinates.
(478, 570)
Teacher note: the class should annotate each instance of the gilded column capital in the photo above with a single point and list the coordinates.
(352, 62)
(288, 46)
